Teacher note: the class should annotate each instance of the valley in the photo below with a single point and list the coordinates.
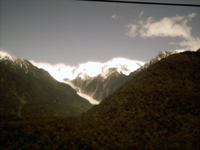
(158, 108)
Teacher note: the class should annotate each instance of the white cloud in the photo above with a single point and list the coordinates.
(58, 71)
(61, 71)
(190, 44)
(90, 68)
(141, 14)
(192, 15)
(115, 17)
(131, 30)
(167, 27)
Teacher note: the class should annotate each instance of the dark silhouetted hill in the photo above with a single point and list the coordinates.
(159, 107)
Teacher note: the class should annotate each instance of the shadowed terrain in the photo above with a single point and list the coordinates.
(157, 109)
(28, 91)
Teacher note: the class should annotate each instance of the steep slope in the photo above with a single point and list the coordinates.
(160, 56)
(26, 90)
(100, 87)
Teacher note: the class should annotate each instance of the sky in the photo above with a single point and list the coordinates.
(74, 32)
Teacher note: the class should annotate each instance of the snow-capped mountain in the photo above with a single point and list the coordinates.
(87, 74)
(6, 56)
(28, 91)
(90, 69)
(99, 80)
(16, 62)
(114, 73)
(94, 69)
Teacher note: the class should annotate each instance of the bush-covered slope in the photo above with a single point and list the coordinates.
(167, 82)
(159, 106)
(157, 109)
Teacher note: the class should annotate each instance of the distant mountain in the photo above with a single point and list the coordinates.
(100, 80)
(28, 91)
(94, 69)
(95, 81)
(87, 72)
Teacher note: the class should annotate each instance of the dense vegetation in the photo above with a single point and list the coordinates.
(157, 109)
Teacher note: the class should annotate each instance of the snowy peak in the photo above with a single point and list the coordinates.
(161, 55)
(164, 54)
(89, 69)
(17, 63)
(122, 65)
(106, 77)
(62, 72)
(93, 69)
(6, 56)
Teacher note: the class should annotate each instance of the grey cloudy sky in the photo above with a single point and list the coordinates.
(74, 32)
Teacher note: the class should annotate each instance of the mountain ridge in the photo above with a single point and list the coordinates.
(94, 78)
(29, 91)
(87, 72)
(157, 109)
(92, 69)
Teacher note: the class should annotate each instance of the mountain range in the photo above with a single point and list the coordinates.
(111, 75)
(156, 109)
(95, 81)
(101, 86)
(28, 91)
